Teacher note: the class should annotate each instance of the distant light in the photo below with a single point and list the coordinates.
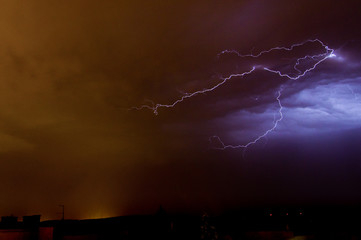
(286, 214)
(336, 57)
(270, 214)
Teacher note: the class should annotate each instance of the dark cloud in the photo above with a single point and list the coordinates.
(70, 72)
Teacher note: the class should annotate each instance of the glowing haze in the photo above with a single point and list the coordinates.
(116, 108)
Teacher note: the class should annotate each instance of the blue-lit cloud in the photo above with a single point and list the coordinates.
(325, 108)
(330, 107)
(326, 100)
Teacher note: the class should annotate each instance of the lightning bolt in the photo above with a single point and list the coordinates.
(275, 123)
(155, 107)
(317, 59)
(329, 53)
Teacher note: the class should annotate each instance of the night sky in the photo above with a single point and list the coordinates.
(73, 73)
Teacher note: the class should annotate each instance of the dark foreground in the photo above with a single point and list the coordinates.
(255, 223)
